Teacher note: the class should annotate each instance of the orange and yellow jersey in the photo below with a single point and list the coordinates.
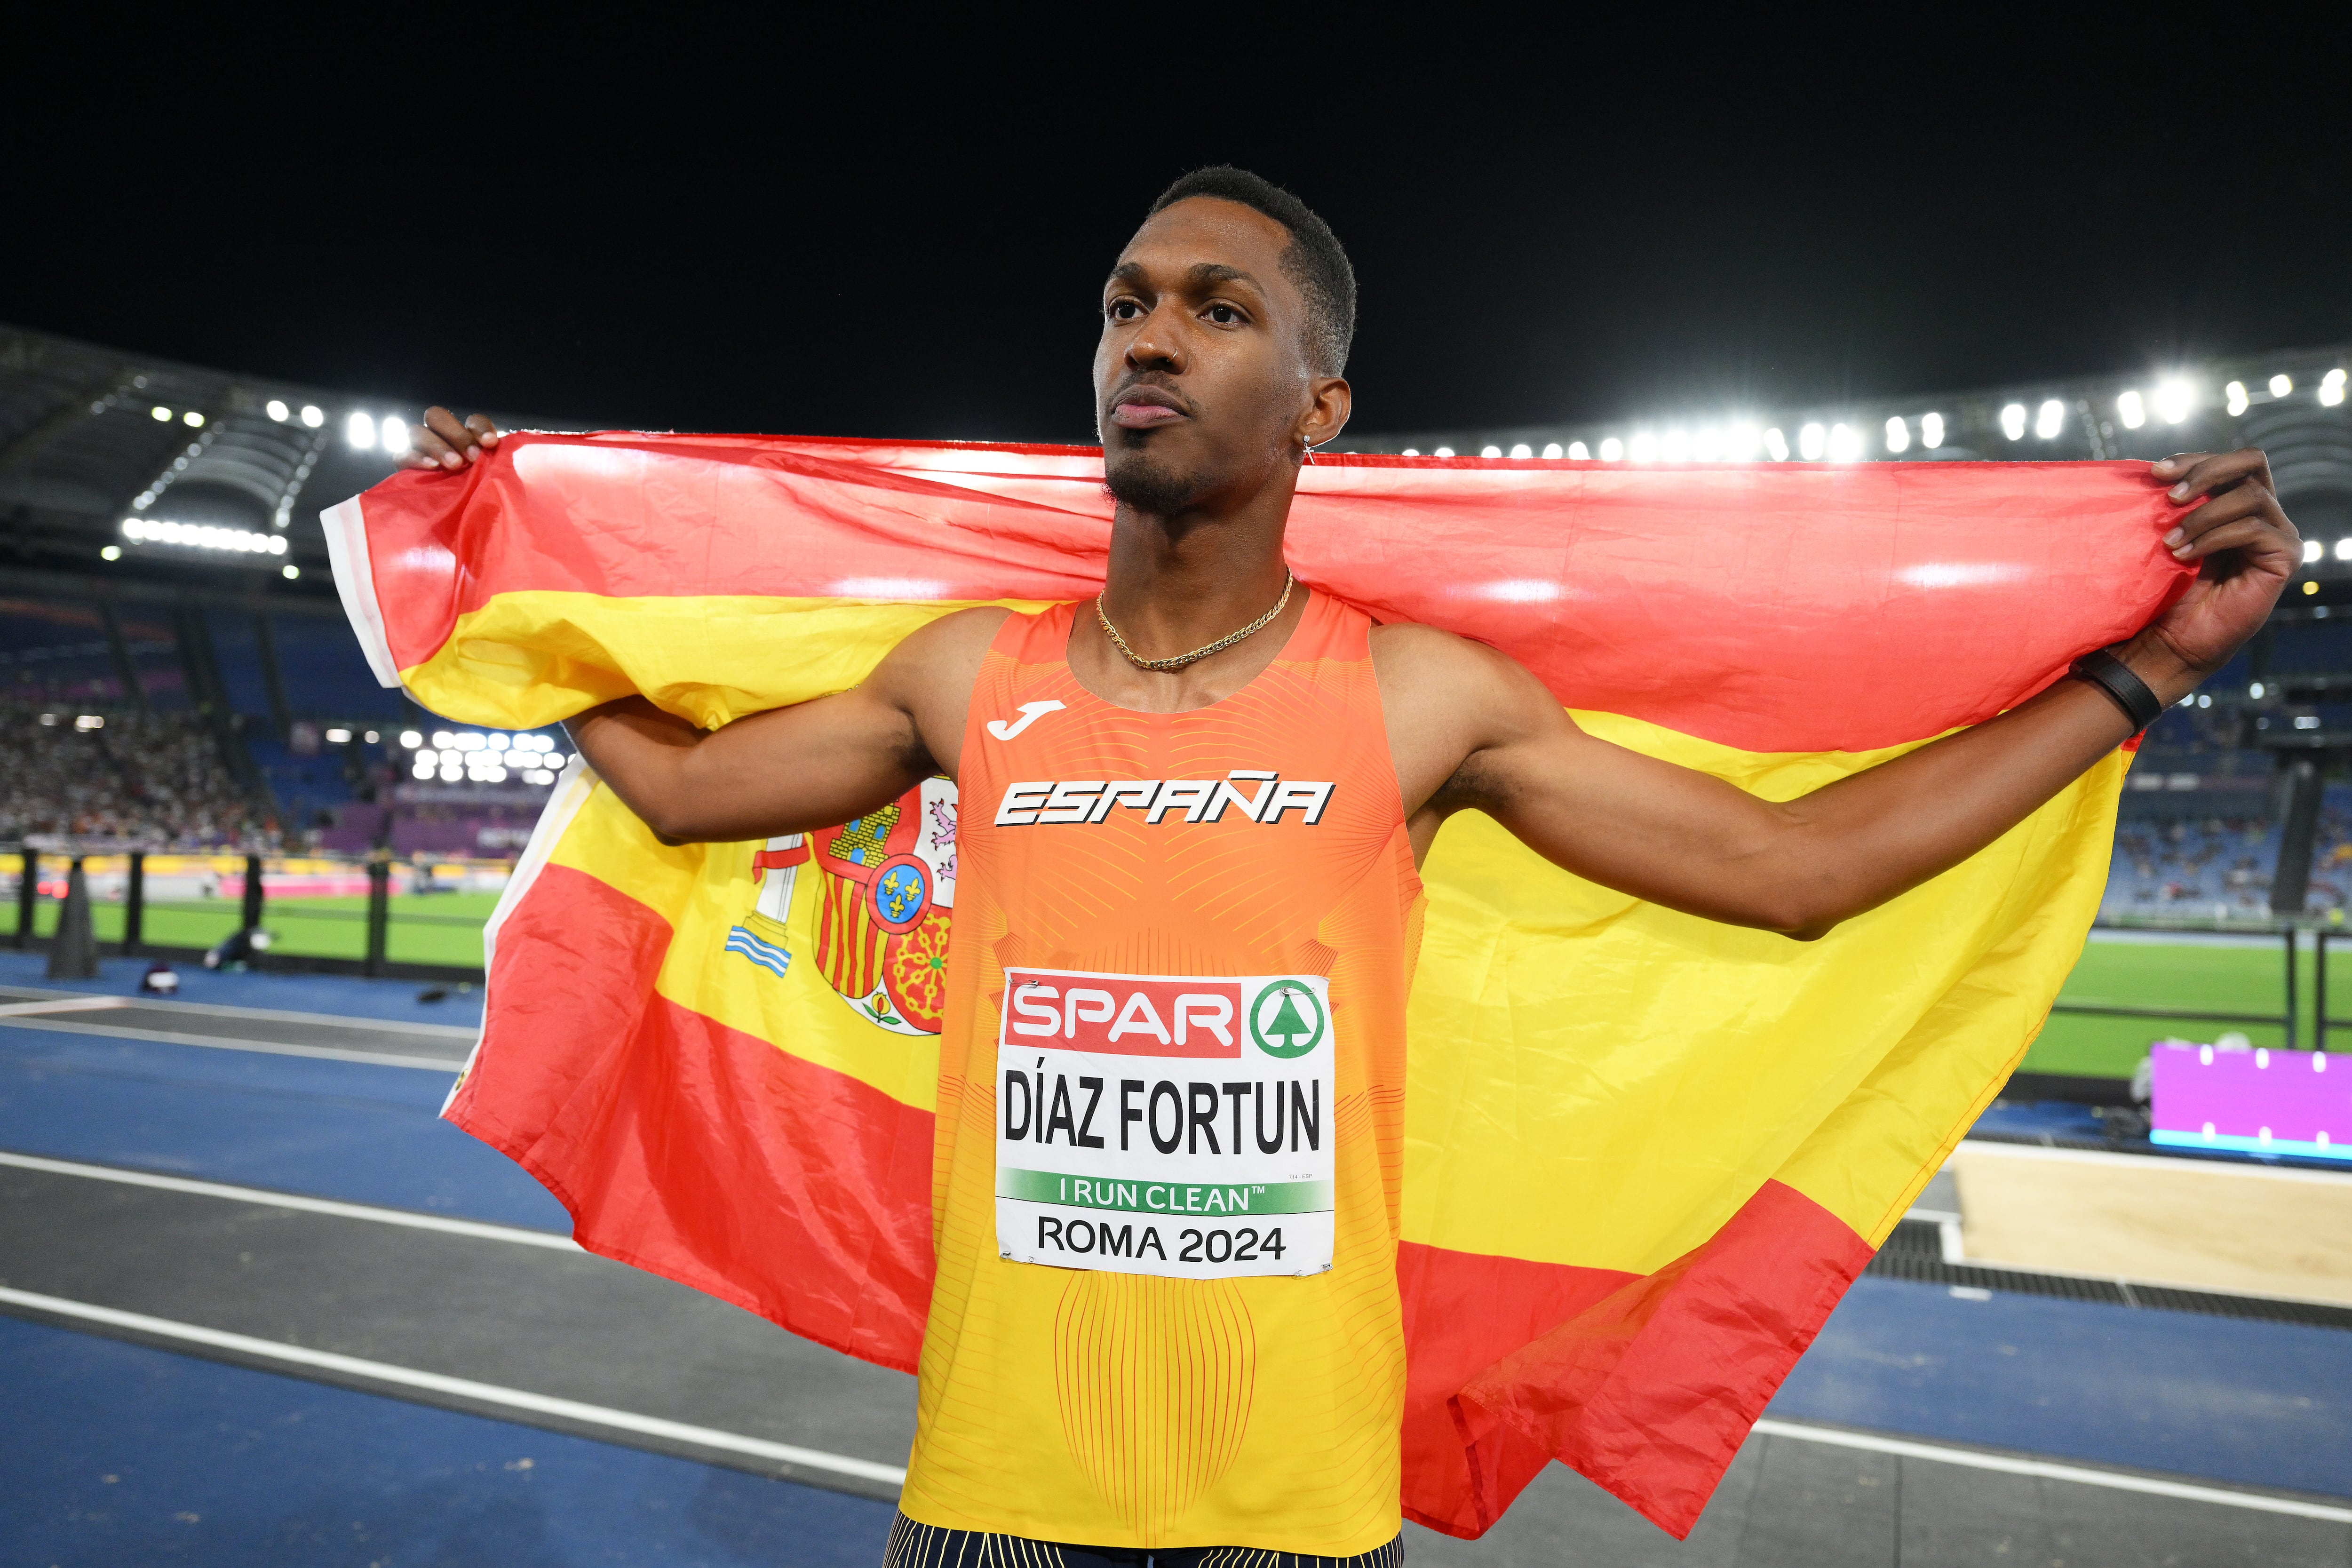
(1170, 1113)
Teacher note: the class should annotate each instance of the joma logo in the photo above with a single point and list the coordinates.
(1038, 801)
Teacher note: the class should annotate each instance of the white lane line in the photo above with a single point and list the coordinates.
(220, 1043)
(460, 1387)
(479, 1230)
(459, 1035)
(62, 1005)
(2044, 1470)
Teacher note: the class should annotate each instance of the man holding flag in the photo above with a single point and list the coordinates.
(1170, 1113)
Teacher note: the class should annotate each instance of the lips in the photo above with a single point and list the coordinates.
(1144, 407)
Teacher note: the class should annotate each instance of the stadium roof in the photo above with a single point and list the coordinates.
(123, 475)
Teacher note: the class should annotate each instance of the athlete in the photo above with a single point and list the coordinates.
(1138, 1406)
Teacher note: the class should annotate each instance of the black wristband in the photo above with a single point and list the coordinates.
(2113, 676)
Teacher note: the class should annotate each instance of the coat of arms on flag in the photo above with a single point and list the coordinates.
(886, 891)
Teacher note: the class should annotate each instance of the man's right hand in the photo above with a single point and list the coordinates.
(447, 443)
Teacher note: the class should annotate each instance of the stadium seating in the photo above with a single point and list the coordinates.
(154, 776)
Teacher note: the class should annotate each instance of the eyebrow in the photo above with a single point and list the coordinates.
(1200, 272)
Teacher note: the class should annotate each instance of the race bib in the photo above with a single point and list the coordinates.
(1179, 1125)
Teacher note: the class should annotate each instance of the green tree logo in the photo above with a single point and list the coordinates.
(1286, 1019)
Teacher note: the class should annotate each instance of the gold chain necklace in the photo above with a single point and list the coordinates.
(1179, 661)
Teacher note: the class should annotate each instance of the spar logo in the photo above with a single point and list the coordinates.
(1286, 1020)
(1040, 801)
(1139, 1015)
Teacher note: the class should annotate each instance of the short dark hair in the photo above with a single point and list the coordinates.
(1314, 261)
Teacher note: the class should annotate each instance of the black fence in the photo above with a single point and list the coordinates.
(344, 914)
(2288, 1021)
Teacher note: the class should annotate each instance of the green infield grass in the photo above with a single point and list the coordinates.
(2195, 976)
(427, 928)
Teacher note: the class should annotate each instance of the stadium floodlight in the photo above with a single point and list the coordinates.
(2204, 699)
(391, 436)
(1811, 442)
(1898, 436)
(2050, 420)
(2175, 401)
(499, 743)
(339, 737)
(1443, 452)
(2012, 421)
(1410, 452)
(2132, 410)
(1706, 446)
(112, 553)
(1777, 444)
(1846, 443)
(2331, 387)
(1551, 451)
(277, 410)
(313, 417)
(1578, 452)
(1523, 451)
(2312, 551)
(411, 739)
(289, 570)
(470, 740)
(2255, 691)
(201, 536)
(2282, 384)
(1676, 447)
(160, 414)
(443, 739)
(2343, 550)
(360, 431)
(2236, 394)
(193, 419)
(1643, 448)
(1742, 442)
(1611, 449)
(1931, 430)
(86, 722)
(1490, 451)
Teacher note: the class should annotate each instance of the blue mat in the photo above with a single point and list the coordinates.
(2262, 1405)
(114, 1454)
(340, 993)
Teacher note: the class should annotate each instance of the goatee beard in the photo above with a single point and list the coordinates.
(1138, 483)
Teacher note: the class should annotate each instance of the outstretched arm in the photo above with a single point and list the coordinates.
(794, 768)
(1695, 843)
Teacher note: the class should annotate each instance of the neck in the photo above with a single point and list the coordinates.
(1175, 583)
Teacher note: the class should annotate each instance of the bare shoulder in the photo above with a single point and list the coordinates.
(1445, 699)
(930, 677)
(1420, 667)
(958, 637)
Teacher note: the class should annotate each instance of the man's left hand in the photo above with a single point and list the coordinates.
(2249, 551)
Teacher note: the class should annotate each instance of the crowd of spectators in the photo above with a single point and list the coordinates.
(155, 777)
(2220, 866)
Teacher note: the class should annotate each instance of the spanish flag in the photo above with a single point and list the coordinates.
(1645, 1154)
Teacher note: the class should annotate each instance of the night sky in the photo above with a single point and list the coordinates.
(905, 235)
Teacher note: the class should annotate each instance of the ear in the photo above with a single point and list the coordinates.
(1329, 402)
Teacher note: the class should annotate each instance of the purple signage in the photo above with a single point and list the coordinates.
(2259, 1102)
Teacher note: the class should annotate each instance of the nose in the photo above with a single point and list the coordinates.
(1159, 343)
